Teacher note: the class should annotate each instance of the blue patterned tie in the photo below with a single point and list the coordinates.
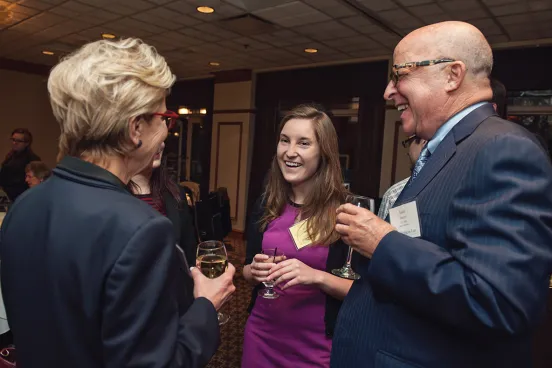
(424, 156)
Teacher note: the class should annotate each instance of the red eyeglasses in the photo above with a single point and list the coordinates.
(170, 118)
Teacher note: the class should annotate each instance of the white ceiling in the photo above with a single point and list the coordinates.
(341, 29)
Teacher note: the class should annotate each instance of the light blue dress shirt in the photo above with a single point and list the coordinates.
(447, 127)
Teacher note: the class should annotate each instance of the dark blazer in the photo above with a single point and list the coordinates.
(12, 173)
(336, 258)
(470, 290)
(91, 278)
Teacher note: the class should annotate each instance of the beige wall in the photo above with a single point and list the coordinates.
(234, 166)
(24, 103)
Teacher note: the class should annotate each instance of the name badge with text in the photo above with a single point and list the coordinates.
(300, 235)
(405, 219)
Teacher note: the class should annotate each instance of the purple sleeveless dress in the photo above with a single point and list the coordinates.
(289, 331)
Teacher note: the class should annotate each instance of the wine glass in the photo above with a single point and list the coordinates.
(274, 256)
(212, 261)
(346, 271)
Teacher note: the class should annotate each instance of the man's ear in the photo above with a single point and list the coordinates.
(456, 74)
(135, 129)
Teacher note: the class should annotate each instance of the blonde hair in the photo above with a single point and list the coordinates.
(327, 191)
(98, 89)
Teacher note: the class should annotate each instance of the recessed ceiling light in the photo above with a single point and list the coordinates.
(48, 52)
(214, 63)
(311, 51)
(205, 9)
(108, 36)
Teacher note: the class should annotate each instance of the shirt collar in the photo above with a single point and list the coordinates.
(447, 127)
(76, 166)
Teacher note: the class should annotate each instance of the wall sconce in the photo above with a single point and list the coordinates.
(184, 111)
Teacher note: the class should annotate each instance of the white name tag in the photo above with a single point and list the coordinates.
(405, 219)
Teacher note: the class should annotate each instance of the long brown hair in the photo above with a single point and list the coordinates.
(327, 191)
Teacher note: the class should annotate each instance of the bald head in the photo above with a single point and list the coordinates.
(456, 40)
(440, 70)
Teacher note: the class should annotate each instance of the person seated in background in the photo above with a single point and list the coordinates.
(414, 146)
(304, 183)
(36, 172)
(154, 186)
(12, 174)
(90, 274)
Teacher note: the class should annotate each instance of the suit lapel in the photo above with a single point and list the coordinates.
(444, 152)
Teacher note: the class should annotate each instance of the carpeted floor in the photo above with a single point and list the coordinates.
(230, 351)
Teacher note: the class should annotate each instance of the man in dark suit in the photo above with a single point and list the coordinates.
(469, 282)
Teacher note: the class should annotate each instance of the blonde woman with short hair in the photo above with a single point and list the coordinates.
(91, 275)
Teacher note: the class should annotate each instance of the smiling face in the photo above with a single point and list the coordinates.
(418, 94)
(298, 152)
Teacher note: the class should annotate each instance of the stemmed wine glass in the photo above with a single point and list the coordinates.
(346, 271)
(274, 256)
(212, 261)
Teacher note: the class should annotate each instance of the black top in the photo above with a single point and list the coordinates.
(12, 174)
(336, 259)
(91, 278)
(182, 218)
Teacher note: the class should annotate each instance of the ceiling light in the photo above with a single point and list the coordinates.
(47, 52)
(205, 9)
(203, 111)
(214, 63)
(176, 134)
(5, 14)
(108, 36)
(184, 111)
(311, 51)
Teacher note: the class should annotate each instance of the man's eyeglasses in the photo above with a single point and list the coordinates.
(14, 140)
(408, 141)
(169, 117)
(394, 76)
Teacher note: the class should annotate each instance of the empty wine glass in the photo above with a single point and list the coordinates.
(346, 271)
(274, 256)
(212, 261)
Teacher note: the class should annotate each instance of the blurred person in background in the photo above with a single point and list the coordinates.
(154, 186)
(12, 174)
(36, 172)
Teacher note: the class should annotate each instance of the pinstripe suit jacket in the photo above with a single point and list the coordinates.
(469, 291)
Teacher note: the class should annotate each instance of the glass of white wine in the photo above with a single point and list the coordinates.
(212, 261)
(346, 271)
(274, 256)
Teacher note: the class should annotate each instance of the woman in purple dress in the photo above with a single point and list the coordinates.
(304, 184)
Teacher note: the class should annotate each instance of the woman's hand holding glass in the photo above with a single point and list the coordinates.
(273, 256)
(260, 267)
(293, 272)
